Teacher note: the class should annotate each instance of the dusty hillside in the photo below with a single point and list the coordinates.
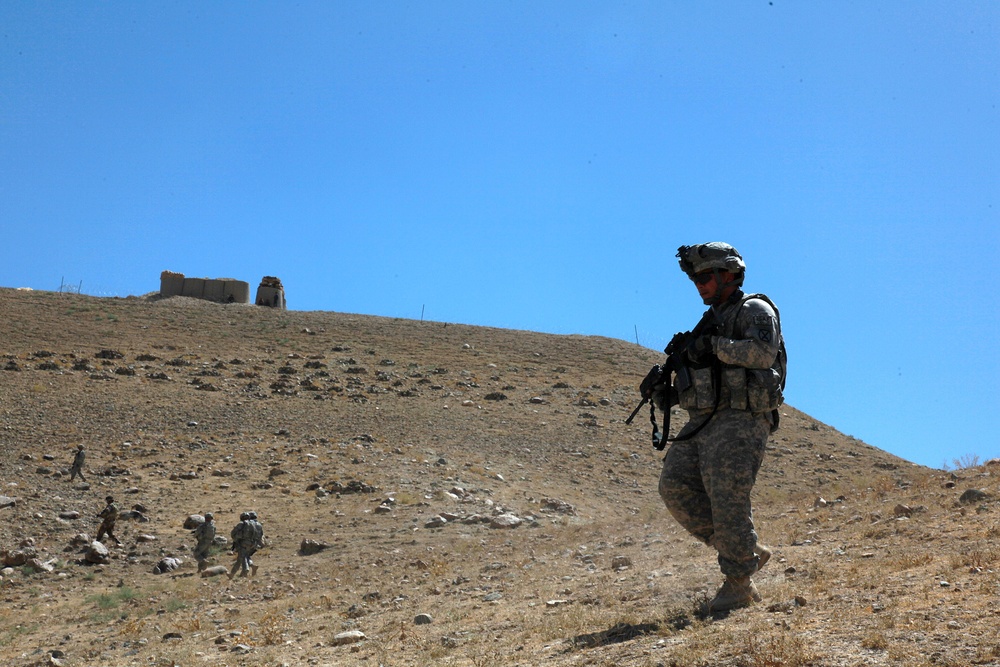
(399, 446)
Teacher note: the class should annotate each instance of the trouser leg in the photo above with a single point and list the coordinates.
(731, 456)
(706, 483)
(683, 492)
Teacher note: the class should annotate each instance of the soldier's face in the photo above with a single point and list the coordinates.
(708, 286)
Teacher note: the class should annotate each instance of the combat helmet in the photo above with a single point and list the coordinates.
(716, 256)
(209, 516)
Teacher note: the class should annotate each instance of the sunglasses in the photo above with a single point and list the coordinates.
(703, 278)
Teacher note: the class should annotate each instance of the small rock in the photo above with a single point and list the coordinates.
(349, 637)
(620, 563)
(423, 619)
(310, 547)
(38, 566)
(506, 520)
(214, 571)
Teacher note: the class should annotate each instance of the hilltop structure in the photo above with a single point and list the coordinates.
(271, 293)
(222, 290)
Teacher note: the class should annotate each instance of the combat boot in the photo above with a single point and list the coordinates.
(735, 593)
(253, 570)
(763, 555)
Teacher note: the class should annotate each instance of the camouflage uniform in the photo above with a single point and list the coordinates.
(248, 536)
(205, 534)
(706, 480)
(109, 516)
(735, 387)
(77, 467)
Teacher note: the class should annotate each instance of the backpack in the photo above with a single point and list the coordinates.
(780, 365)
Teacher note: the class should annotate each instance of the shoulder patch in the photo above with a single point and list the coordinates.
(764, 335)
(761, 319)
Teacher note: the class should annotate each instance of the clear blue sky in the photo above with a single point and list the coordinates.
(534, 165)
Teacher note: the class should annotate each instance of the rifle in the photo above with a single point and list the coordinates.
(675, 365)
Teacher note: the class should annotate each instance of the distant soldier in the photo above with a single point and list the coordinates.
(77, 467)
(258, 536)
(248, 536)
(205, 534)
(109, 516)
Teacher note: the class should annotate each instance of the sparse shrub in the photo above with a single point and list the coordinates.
(965, 461)
(775, 649)
(875, 641)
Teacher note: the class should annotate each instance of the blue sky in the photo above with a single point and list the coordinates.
(534, 165)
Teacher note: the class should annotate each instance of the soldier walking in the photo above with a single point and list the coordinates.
(205, 535)
(77, 468)
(248, 536)
(728, 373)
(109, 515)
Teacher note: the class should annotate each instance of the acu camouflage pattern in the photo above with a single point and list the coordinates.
(706, 480)
(76, 470)
(248, 536)
(747, 347)
(109, 517)
(205, 534)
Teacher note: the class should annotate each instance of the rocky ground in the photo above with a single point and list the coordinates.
(433, 494)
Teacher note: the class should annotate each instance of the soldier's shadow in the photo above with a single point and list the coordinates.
(616, 634)
(623, 632)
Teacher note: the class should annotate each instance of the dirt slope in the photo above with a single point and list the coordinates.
(396, 444)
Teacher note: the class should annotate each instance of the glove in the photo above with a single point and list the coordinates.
(678, 342)
(653, 378)
(700, 349)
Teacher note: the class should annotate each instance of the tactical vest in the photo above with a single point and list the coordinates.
(723, 385)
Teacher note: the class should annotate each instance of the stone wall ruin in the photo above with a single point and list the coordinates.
(222, 290)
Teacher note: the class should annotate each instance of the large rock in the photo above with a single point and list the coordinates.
(18, 557)
(97, 553)
(7, 501)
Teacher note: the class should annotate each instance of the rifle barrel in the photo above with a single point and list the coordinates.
(636, 411)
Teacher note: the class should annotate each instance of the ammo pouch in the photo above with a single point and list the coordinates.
(754, 390)
(763, 390)
(701, 394)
